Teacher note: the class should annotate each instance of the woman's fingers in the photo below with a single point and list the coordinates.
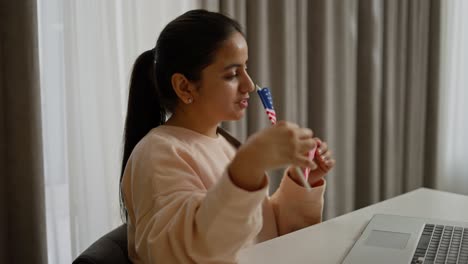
(327, 155)
(324, 156)
(304, 162)
(330, 163)
(296, 143)
(301, 140)
(323, 146)
(306, 145)
(305, 133)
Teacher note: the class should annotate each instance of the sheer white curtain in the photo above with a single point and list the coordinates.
(453, 127)
(87, 49)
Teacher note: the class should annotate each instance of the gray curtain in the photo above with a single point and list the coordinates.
(22, 214)
(362, 74)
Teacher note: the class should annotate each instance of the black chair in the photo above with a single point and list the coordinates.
(111, 248)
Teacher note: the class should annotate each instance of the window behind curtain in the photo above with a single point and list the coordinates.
(87, 49)
(453, 118)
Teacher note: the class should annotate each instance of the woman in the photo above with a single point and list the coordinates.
(190, 195)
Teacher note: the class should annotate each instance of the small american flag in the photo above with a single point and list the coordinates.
(267, 101)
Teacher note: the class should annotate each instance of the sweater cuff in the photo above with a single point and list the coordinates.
(300, 193)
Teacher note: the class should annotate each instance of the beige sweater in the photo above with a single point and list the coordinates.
(183, 207)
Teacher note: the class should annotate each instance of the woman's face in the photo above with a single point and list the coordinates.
(225, 85)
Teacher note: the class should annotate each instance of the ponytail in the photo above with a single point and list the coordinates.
(144, 110)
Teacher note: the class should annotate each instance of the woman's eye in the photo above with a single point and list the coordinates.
(232, 76)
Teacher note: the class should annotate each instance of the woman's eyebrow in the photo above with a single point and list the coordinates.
(234, 65)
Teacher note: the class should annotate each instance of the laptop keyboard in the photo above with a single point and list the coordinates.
(442, 244)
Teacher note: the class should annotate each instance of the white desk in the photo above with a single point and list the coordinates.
(330, 241)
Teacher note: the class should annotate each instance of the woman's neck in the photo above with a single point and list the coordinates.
(197, 124)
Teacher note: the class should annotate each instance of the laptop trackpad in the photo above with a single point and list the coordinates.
(388, 239)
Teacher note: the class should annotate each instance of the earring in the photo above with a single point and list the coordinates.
(189, 100)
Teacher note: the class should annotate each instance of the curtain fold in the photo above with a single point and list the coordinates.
(416, 93)
(332, 60)
(433, 106)
(22, 219)
(368, 102)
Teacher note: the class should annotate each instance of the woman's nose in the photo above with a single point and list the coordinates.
(247, 86)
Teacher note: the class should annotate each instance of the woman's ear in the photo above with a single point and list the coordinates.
(183, 88)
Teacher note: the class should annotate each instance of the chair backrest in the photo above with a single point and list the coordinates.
(111, 248)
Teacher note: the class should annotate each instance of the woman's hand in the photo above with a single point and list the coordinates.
(325, 162)
(278, 146)
(281, 145)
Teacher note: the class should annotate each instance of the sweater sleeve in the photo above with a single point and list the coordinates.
(295, 207)
(176, 220)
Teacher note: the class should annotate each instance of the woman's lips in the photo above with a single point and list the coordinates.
(244, 103)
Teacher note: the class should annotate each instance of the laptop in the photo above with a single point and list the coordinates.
(397, 239)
